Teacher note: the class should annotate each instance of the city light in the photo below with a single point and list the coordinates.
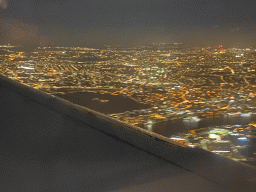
(164, 85)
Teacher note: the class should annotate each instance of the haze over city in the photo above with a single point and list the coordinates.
(95, 23)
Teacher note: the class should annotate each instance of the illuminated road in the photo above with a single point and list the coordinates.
(246, 81)
(232, 70)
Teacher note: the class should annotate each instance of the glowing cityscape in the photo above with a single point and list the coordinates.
(176, 81)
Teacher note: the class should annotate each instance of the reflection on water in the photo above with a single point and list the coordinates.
(192, 124)
(177, 126)
(149, 127)
(118, 104)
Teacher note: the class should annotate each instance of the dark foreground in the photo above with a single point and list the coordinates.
(45, 150)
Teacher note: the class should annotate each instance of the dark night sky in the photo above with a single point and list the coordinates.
(127, 22)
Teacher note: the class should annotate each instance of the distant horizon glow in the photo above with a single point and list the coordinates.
(127, 23)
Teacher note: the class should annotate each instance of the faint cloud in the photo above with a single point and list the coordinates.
(17, 32)
(236, 29)
(3, 4)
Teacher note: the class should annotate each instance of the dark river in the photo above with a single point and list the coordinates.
(116, 103)
(119, 104)
(172, 127)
